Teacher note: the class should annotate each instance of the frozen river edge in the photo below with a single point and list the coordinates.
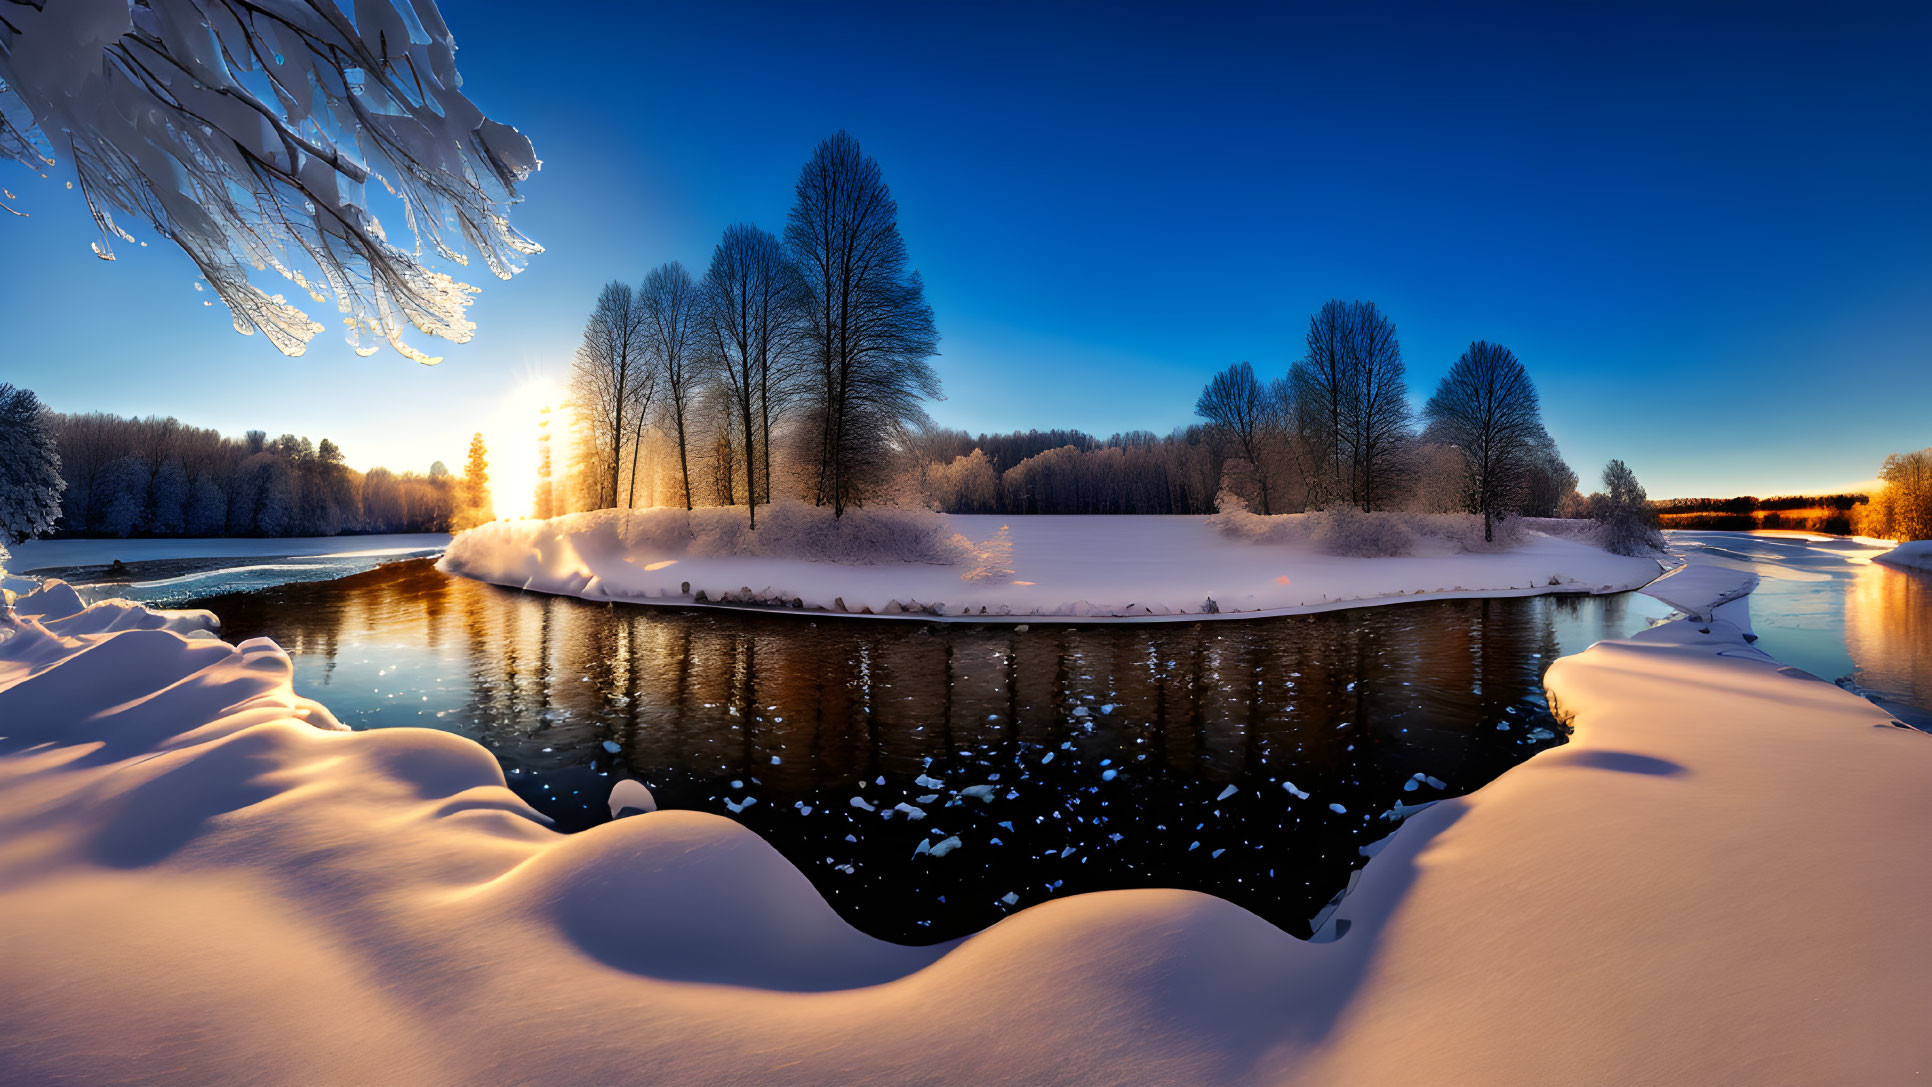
(1124, 568)
(1721, 867)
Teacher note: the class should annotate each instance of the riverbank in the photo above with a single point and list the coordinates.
(171, 570)
(1093, 569)
(1719, 870)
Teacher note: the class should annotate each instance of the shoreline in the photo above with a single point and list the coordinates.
(1063, 570)
(1049, 619)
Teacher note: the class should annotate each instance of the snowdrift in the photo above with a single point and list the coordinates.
(1717, 878)
(1915, 555)
(987, 568)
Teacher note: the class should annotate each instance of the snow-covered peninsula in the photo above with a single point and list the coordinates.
(1094, 569)
(1714, 871)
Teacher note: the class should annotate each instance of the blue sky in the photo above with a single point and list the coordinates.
(1706, 230)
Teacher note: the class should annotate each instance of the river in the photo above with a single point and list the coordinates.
(931, 778)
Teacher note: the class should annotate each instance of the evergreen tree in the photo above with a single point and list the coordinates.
(473, 507)
(30, 483)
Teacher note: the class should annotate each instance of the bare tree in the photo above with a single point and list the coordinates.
(868, 328)
(611, 384)
(751, 310)
(1348, 405)
(1236, 404)
(1487, 408)
(670, 303)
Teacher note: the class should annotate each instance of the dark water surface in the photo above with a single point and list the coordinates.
(1250, 759)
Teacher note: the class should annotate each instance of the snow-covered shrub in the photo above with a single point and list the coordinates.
(1236, 521)
(992, 558)
(1345, 530)
(1628, 523)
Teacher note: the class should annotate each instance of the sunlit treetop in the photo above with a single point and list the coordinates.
(249, 134)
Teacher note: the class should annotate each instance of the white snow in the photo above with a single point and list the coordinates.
(1719, 876)
(1094, 568)
(1912, 555)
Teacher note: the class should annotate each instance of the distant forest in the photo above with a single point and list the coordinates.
(1831, 514)
(161, 477)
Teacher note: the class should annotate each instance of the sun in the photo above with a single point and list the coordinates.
(513, 433)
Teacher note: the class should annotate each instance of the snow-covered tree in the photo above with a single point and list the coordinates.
(30, 483)
(123, 497)
(169, 499)
(207, 513)
(249, 133)
(1629, 523)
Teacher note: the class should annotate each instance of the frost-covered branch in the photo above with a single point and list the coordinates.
(246, 132)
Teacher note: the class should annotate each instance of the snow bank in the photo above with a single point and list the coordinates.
(1915, 555)
(1123, 568)
(1719, 875)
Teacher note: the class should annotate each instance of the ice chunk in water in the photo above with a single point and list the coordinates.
(1228, 792)
(860, 802)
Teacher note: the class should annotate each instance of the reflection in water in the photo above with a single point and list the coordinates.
(930, 779)
(1888, 630)
(1824, 606)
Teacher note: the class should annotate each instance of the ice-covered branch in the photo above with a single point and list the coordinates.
(246, 131)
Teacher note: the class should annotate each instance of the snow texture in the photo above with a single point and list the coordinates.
(1122, 568)
(251, 136)
(1913, 555)
(1722, 867)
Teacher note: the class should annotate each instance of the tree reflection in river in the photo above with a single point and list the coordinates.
(1250, 759)
(1888, 631)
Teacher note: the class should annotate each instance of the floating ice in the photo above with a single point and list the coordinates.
(911, 812)
(929, 782)
(860, 802)
(1227, 792)
(612, 746)
(1290, 786)
(946, 846)
(1338, 809)
(978, 792)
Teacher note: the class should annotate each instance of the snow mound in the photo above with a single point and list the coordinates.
(186, 855)
(1915, 555)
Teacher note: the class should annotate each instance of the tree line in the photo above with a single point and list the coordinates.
(1902, 507)
(793, 366)
(98, 474)
(1335, 429)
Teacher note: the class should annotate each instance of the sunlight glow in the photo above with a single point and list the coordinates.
(511, 435)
